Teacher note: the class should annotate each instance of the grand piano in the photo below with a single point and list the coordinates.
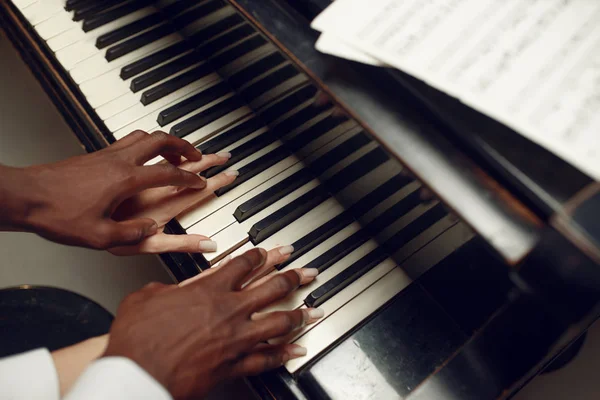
(457, 258)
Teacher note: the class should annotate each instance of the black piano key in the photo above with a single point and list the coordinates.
(415, 228)
(306, 114)
(176, 83)
(151, 77)
(209, 32)
(71, 5)
(318, 236)
(128, 30)
(239, 153)
(269, 82)
(113, 14)
(138, 41)
(339, 251)
(255, 69)
(382, 192)
(233, 36)
(291, 101)
(394, 213)
(192, 103)
(196, 13)
(218, 143)
(177, 7)
(238, 51)
(254, 168)
(151, 60)
(338, 153)
(342, 280)
(357, 169)
(287, 214)
(92, 8)
(272, 194)
(207, 116)
(314, 132)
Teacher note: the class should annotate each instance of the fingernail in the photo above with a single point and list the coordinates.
(232, 173)
(286, 250)
(207, 246)
(298, 351)
(224, 154)
(316, 313)
(309, 272)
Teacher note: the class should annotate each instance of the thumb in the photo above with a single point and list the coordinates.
(127, 232)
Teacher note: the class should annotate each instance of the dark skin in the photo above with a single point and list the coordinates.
(110, 200)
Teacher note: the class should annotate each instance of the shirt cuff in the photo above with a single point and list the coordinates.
(116, 378)
(29, 376)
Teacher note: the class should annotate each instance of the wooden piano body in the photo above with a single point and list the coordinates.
(488, 316)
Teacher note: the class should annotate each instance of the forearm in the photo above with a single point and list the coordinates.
(71, 361)
(16, 199)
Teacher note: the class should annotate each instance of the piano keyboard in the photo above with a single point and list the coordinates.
(307, 178)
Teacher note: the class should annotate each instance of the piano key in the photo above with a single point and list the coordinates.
(97, 65)
(286, 104)
(275, 92)
(236, 235)
(90, 9)
(147, 62)
(268, 82)
(216, 29)
(76, 33)
(21, 4)
(156, 93)
(223, 42)
(136, 42)
(195, 102)
(257, 70)
(41, 11)
(216, 127)
(193, 14)
(104, 18)
(208, 21)
(244, 46)
(216, 213)
(147, 115)
(220, 142)
(174, 7)
(151, 77)
(239, 63)
(361, 299)
(422, 223)
(256, 167)
(54, 26)
(128, 30)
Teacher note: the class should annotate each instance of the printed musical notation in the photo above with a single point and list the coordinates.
(533, 65)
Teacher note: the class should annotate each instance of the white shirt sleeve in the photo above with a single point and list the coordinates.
(29, 376)
(116, 378)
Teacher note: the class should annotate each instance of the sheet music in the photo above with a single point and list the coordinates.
(533, 65)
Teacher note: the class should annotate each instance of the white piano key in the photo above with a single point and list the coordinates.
(97, 65)
(265, 98)
(109, 86)
(210, 19)
(205, 215)
(40, 11)
(361, 299)
(235, 234)
(264, 74)
(123, 111)
(21, 4)
(76, 33)
(55, 25)
(209, 130)
(247, 58)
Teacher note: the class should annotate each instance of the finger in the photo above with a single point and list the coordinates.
(266, 359)
(283, 324)
(238, 268)
(276, 288)
(163, 243)
(113, 234)
(161, 143)
(128, 140)
(307, 275)
(206, 273)
(166, 175)
(274, 257)
(208, 160)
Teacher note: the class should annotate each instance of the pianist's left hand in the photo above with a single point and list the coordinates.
(109, 199)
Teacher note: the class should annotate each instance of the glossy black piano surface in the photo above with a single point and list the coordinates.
(466, 295)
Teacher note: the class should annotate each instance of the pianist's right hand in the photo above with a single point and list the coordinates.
(105, 200)
(190, 337)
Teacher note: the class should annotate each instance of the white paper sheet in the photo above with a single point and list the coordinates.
(533, 65)
(328, 43)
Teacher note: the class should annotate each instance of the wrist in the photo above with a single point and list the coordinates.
(16, 199)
